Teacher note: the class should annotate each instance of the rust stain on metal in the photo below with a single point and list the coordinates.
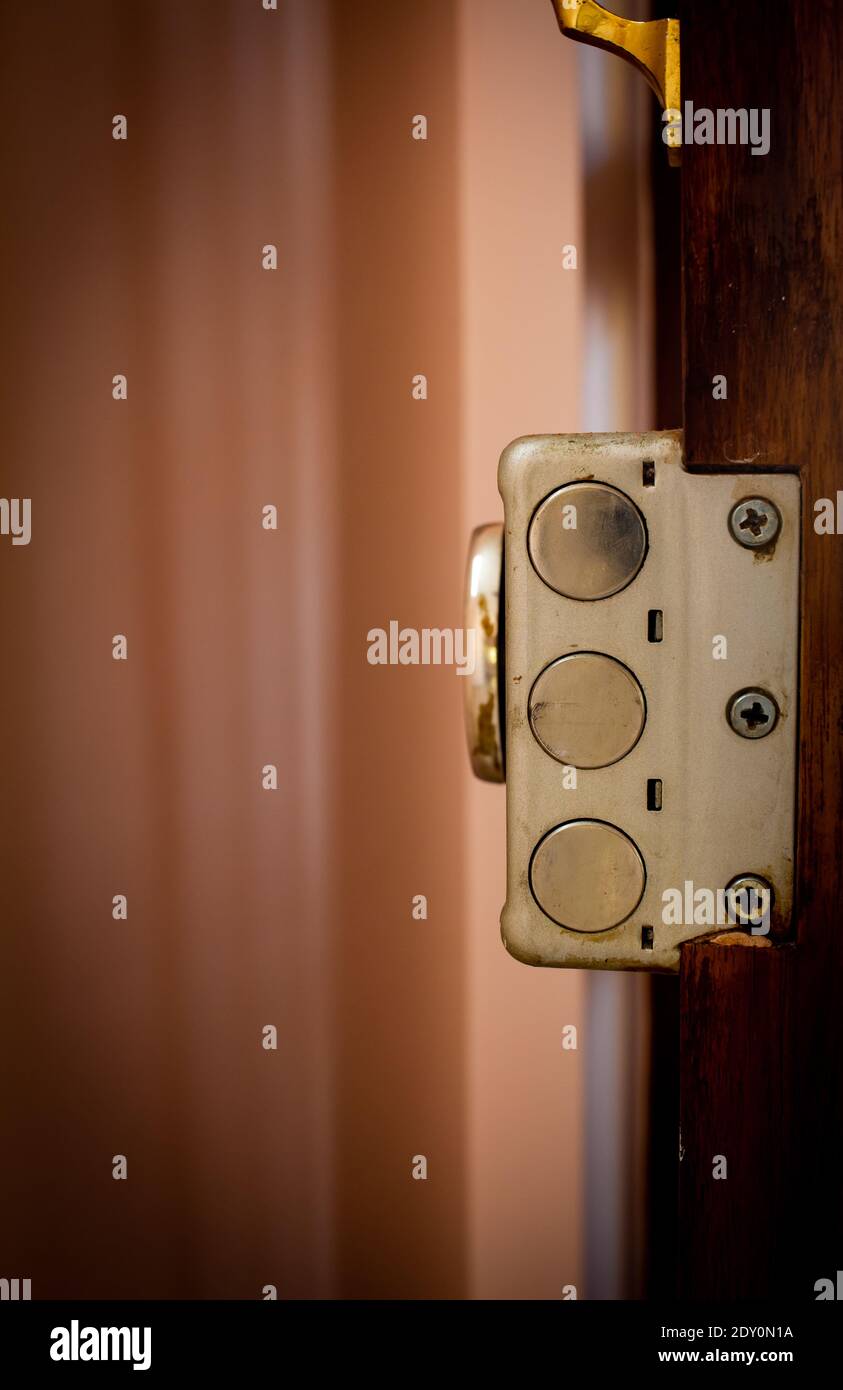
(486, 742)
(486, 621)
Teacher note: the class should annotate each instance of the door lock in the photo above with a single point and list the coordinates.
(637, 688)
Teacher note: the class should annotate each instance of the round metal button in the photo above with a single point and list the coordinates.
(587, 540)
(587, 710)
(587, 875)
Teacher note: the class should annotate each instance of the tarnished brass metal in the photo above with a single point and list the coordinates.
(650, 45)
(481, 688)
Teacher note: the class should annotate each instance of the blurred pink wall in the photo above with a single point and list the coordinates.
(522, 316)
(246, 647)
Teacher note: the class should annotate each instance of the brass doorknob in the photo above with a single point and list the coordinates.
(483, 687)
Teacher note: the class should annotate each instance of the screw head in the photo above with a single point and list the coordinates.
(753, 713)
(755, 522)
(750, 900)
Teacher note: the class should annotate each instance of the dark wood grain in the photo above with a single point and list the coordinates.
(762, 1027)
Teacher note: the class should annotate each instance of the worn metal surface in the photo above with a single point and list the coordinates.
(587, 540)
(727, 804)
(587, 875)
(587, 710)
(481, 699)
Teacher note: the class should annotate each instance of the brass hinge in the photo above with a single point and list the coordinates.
(651, 45)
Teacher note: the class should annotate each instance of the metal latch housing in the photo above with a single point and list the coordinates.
(649, 676)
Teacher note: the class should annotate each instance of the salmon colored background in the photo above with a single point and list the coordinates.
(247, 647)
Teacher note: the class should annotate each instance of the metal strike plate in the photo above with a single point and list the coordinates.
(634, 618)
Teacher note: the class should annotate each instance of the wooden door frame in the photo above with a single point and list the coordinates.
(761, 1025)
